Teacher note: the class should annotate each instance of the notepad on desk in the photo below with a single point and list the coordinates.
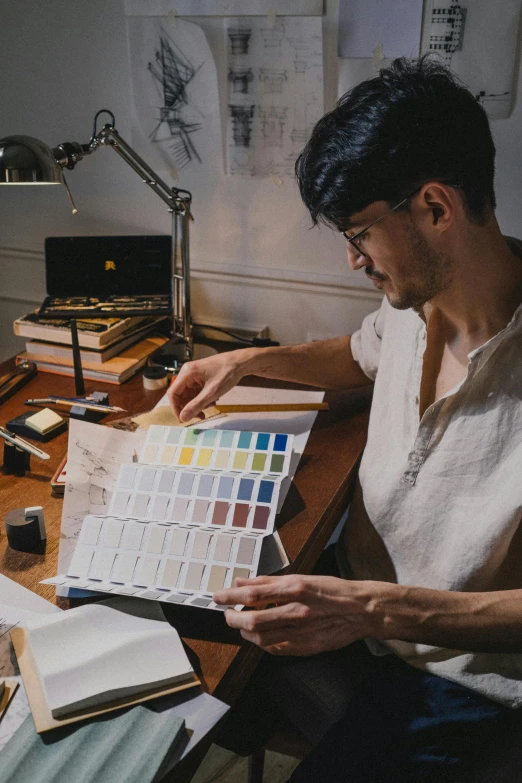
(97, 658)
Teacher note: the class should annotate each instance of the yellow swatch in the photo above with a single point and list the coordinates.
(204, 458)
(240, 460)
(167, 455)
(185, 458)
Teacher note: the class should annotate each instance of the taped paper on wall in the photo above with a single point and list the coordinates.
(275, 92)
(174, 87)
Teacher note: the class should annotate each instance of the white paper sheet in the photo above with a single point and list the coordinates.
(94, 457)
(363, 24)
(176, 120)
(275, 92)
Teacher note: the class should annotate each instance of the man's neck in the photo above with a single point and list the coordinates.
(486, 288)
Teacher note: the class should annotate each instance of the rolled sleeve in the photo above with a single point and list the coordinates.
(365, 343)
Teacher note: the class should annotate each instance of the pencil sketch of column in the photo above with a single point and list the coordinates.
(240, 78)
(241, 124)
(174, 72)
(272, 80)
(272, 37)
(239, 39)
(299, 130)
(272, 125)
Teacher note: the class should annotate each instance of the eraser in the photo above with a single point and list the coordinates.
(44, 421)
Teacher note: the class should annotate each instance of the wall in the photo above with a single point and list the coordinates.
(255, 260)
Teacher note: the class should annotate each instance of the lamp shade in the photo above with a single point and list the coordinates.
(25, 160)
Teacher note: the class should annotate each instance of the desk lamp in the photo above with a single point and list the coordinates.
(25, 160)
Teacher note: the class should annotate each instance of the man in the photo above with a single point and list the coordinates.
(431, 552)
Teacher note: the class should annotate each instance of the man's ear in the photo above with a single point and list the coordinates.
(440, 201)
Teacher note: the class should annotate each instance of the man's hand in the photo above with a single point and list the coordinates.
(199, 384)
(310, 614)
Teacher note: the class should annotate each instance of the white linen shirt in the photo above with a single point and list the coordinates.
(439, 502)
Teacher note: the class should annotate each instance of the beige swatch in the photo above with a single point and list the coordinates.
(164, 416)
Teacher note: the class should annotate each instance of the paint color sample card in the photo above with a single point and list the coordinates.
(209, 498)
(232, 450)
(174, 563)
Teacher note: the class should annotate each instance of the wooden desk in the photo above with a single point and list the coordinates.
(319, 495)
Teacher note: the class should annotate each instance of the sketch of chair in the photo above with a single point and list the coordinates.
(174, 72)
(239, 39)
(272, 80)
(240, 78)
(241, 124)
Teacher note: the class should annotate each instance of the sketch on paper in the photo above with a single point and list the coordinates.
(176, 118)
(94, 458)
(173, 72)
(275, 96)
(468, 41)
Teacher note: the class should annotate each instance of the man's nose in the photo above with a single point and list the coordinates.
(356, 259)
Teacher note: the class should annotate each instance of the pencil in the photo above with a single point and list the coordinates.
(273, 408)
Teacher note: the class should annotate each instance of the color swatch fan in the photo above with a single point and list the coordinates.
(187, 519)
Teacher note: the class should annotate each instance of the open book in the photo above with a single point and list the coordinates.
(98, 655)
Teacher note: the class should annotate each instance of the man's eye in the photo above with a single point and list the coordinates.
(363, 237)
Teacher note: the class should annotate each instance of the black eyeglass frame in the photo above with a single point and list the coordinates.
(352, 241)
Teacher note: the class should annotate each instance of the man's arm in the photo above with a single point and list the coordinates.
(312, 614)
(328, 364)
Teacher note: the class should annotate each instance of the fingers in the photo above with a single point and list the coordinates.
(264, 590)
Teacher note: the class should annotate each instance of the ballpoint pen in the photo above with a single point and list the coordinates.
(20, 443)
(93, 406)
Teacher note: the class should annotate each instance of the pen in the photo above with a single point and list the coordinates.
(92, 406)
(15, 440)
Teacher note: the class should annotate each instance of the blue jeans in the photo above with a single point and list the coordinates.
(403, 725)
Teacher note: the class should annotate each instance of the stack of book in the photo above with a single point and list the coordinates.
(112, 349)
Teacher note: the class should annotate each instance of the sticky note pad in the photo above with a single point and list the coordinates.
(44, 421)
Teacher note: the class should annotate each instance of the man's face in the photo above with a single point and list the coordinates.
(398, 258)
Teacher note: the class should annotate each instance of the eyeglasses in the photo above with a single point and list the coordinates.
(360, 234)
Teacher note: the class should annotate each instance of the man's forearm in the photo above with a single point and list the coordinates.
(478, 622)
(328, 364)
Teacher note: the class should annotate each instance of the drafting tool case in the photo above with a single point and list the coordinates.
(107, 276)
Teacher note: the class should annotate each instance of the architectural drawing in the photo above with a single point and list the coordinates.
(272, 80)
(239, 39)
(174, 72)
(273, 122)
(241, 124)
(469, 42)
(270, 121)
(176, 123)
(240, 78)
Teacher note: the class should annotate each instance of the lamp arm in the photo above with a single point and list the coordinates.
(178, 201)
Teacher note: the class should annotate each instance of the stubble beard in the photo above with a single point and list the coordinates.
(431, 273)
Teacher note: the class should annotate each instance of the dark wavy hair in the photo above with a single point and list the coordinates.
(413, 123)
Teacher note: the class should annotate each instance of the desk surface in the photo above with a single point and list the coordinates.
(318, 496)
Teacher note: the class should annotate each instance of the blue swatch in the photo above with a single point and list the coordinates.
(227, 438)
(205, 486)
(244, 440)
(280, 442)
(209, 437)
(225, 487)
(246, 487)
(262, 441)
(185, 483)
(266, 490)
(173, 435)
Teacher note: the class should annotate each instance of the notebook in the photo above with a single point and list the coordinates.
(94, 657)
